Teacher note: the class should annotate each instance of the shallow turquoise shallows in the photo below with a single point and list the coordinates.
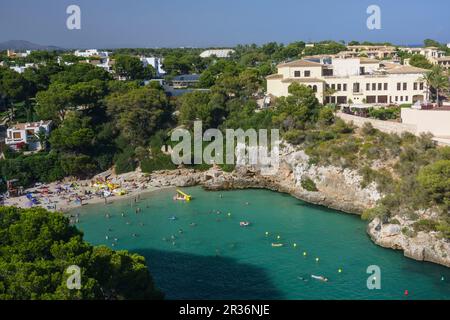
(206, 254)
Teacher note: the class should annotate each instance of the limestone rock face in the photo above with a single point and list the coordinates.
(425, 246)
(337, 188)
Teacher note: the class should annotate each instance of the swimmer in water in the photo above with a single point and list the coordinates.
(303, 279)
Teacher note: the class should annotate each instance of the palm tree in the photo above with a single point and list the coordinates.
(438, 80)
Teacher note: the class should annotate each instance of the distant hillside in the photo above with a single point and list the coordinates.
(25, 45)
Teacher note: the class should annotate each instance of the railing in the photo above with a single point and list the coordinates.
(14, 140)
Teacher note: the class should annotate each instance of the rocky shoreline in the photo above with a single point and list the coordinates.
(337, 188)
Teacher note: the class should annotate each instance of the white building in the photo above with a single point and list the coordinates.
(351, 80)
(443, 62)
(374, 52)
(27, 134)
(219, 53)
(91, 53)
(430, 52)
(21, 69)
(155, 62)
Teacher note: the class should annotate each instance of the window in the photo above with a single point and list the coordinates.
(386, 86)
(421, 86)
(307, 73)
(341, 100)
(371, 99)
(333, 86)
(405, 86)
(17, 135)
(339, 87)
(297, 74)
(396, 98)
(415, 85)
(314, 88)
(380, 86)
(345, 87)
(401, 98)
(406, 98)
(368, 86)
(374, 86)
(399, 86)
(382, 99)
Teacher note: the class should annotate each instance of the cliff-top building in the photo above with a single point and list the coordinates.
(351, 80)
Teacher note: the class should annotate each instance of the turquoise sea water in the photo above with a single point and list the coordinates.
(218, 259)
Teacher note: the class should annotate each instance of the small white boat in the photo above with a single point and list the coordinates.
(244, 223)
(277, 245)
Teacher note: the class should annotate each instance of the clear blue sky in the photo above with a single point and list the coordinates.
(200, 23)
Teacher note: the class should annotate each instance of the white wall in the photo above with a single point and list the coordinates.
(346, 67)
(435, 121)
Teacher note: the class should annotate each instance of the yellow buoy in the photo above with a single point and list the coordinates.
(340, 270)
(267, 233)
(304, 254)
(295, 245)
(278, 237)
(317, 259)
(229, 214)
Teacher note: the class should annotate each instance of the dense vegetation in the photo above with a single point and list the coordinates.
(38, 246)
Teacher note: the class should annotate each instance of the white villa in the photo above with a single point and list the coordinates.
(91, 53)
(443, 62)
(430, 52)
(21, 69)
(27, 134)
(374, 52)
(155, 62)
(351, 80)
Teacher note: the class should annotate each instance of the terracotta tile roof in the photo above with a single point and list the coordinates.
(299, 63)
(406, 70)
(302, 80)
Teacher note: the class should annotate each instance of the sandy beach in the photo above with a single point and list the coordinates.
(72, 193)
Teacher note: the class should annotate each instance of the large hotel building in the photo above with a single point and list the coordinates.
(351, 80)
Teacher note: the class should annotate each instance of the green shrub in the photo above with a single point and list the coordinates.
(309, 185)
(125, 161)
(425, 225)
(379, 211)
(158, 161)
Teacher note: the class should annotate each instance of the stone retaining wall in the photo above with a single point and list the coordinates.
(384, 126)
